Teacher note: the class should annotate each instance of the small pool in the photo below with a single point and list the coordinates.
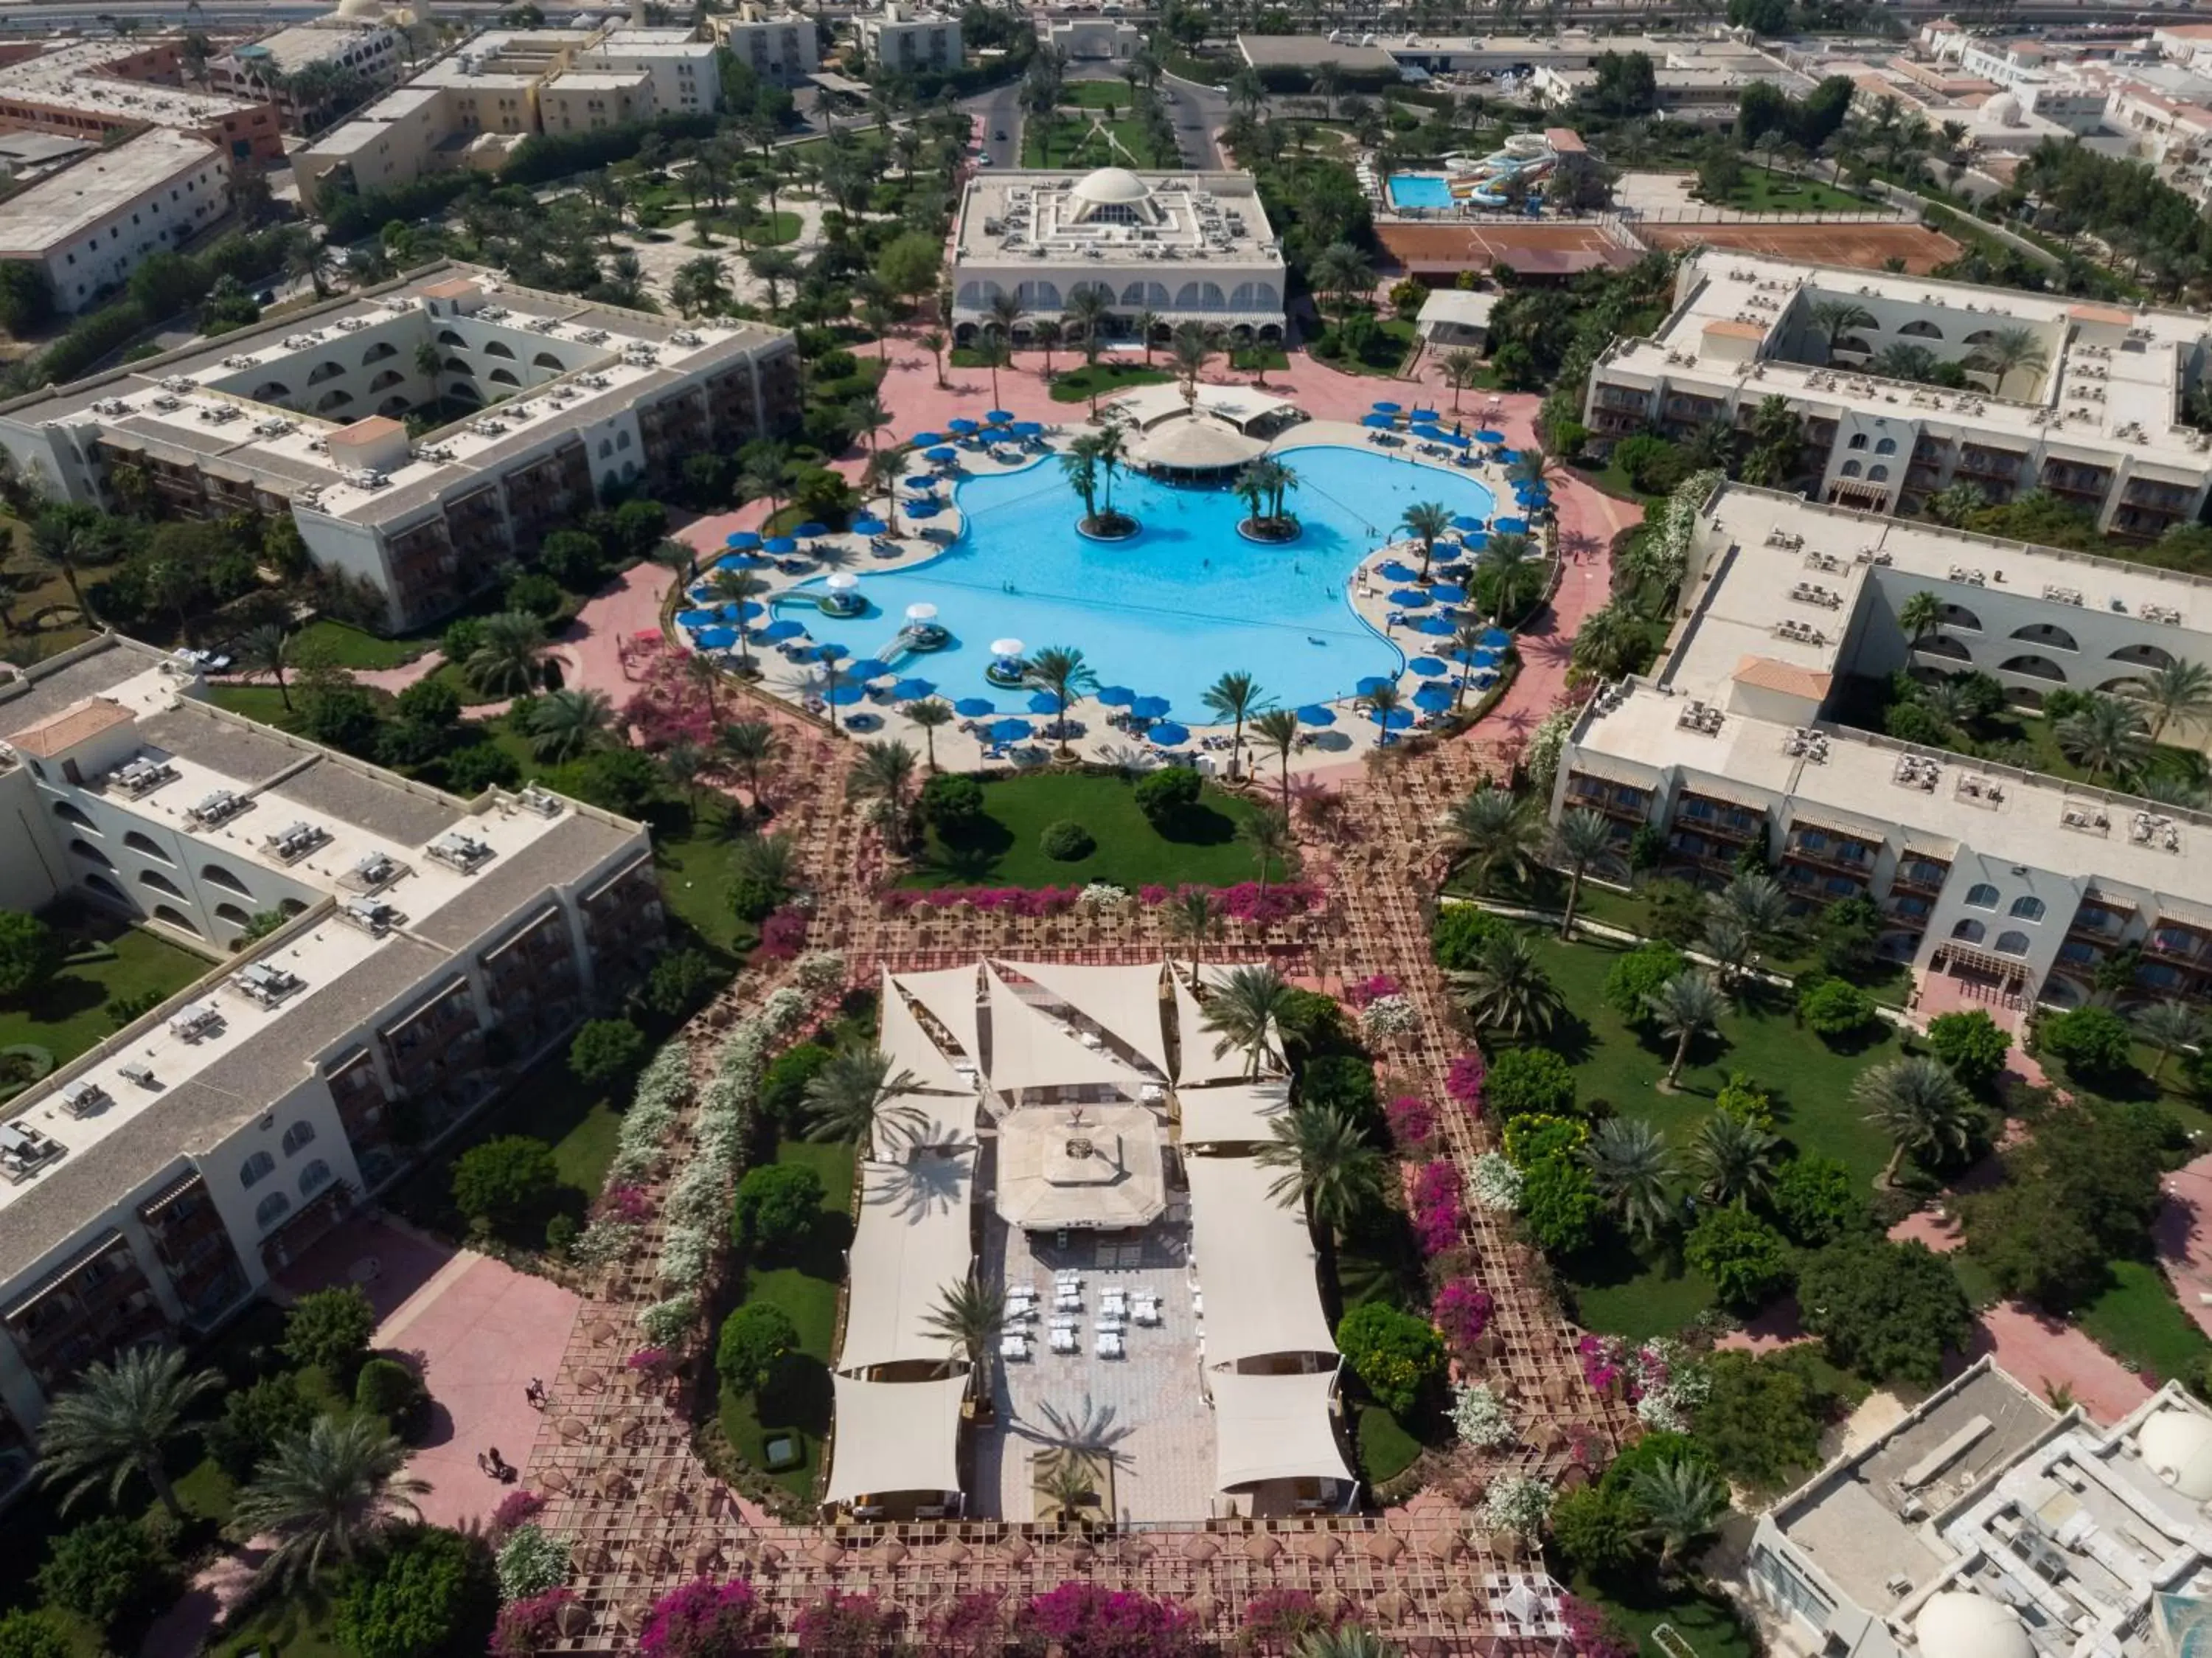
(1420, 190)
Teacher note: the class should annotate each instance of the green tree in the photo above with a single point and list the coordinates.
(2176, 690)
(1681, 1504)
(1233, 697)
(330, 1493)
(2034, 1246)
(331, 1329)
(1921, 1105)
(754, 1339)
(1972, 1044)
(119, 1419)
(853, 1098)
(969, 1318)
(1817, 1201)
(1684, 1009)
(1427, 521)
(1060, 672)
(1636, 976)
(103, 1570)
(566, 724)
(506, 662)
(1732, 1160)
(1495, 834)
(1632, 1173)
(431, 1593)
(504, 1181)
(2104, 736)
(1245, 1011)
(1579, 839)
(1889, 1311)
(1322, 1156)
(1833, 1010)
(1278, 728)
(255, 1419)
(33, 1635)
(777, 1206)
(930, 714)
(1760, 1419)
(30, 954)
(884, 769)
(2089, 1041)
(1507, 989)
(1398, 1356)
(1747, 1260)
(606, 1049)
(1530, 1082)
(2166, 1028)
(1560, 1206)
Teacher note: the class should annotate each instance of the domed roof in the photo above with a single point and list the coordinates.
(359, 7)
(2177, 1446)
(1110, 183)
(1956, 1624)
(2003, 107)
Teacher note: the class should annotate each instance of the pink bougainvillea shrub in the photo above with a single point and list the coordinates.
(702, 1619)
(1279, 1621)
(1462, 1311)
(529, 1626)
(845, 1626)
(1465, 1079)
(1412, 1123)
(514, 1509)
(1438, 1206)
(1088, 1620)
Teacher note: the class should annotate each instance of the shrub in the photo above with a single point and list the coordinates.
(255, 1420)
(2094, 1042)
(1972, 1045)
(1833, 1010)
(504, 1181)
(952, 801)
(32, 1635)
(1083, 1620)
(1461, 1311)
(30, 954)
(517, 1508)
(106, 1569)
(1888, 1311)
(1558, 1204)
(1527, 1082)
(1743, 1099)
(532, 1563)
(1066, 841)
(1748, 1260)
(701, 1620)
(1594, 1530)
(536, 594)
(432, 1594)
(1345, 1082)
(753, 1339)
(606, 1049)
(783, 1095)
(462, 639)
(1460, 933)
(531, 1624)
(844, 1626)
(1638, 975)
(395, 1392)
(330, 1329)
(1167, 795)
(776, 1204)
(1817, 1201)
(679, 983)
(1761, 1420)
(1398, 1356)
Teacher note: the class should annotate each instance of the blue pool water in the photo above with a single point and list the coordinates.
(1419, 190)
(1172, 610)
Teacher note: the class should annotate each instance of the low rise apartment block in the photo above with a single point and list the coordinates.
(544, 402)
(89, 89)
(90, 225)
(2092, 414)
(2015, 881)
(431, 946)
(779, 47)
(902, 39)
(370, 55)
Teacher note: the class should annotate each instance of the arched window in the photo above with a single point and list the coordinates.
(159, 883)
(2035, 668)
(393, 406)
(503, 377)
(2143, 655)
(378, 353)
(1981, 896)
(216, 875)
(387, 379)
(146, 845)
(1981, 337)
(459, 367)
(256, 1169)
(290, 907)
(1917, 329)
(69, 812)
(272, 391)
(1877, 473)
(1967, 932)
(2026, 909)
(1858, 441)
(606, 449)
(1851, 469)
(547, 360)
(499, 348)
(447, 337)
(315, 1178)
(300, 1133)
(91, 854)
(233, 914)
(621, 440)
(272, 1209)
(105, 888)
(323, 371)
(174, 918)
(1888, 446)
(1959, 616)
(2043, 633)
(2012, 943)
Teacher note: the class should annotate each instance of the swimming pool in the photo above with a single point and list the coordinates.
(1420, 190)
(1170, 611)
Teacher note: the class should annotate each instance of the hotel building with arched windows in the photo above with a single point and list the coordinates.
(1185, 247)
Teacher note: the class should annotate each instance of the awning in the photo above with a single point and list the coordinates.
(1200, 1063)
(894, 1436)
(907, 1120)
(1257, 1255)
(910, 1049)
(948, 995)
(1233, 1113)
(911, 1244)
(1195, 444)
(1273, 1428)
(1837, 827)
(1123, 1001)
(1583, 762)
(1750, 800)
(1029, 1050)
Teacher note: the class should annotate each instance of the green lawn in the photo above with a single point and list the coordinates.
(295, 1625)
(1097, 94)
(1707, 1625)
(765, 231)
(1078, 384)
(1393, 337)
(69, 1014)
(1386, 1449)
(1762, 191)
(1074, 141)
(353, 647)
(806, 1290)
(2138, 1321)
(1129, 852)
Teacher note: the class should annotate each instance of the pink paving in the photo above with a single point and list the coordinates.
(2044, 1354)
(2182, 1233)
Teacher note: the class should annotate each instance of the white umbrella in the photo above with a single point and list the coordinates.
(842, 581)
(922, 612)
(1005, 647)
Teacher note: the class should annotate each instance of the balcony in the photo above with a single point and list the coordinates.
(1920, 875)
(2178, 943)
(1831, 851)
(1613, 800)
(2079, 483)
(1908, 913)
(1717, 818)
(2001, 466)
(2099, 925)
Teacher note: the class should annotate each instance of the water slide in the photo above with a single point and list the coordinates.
(1527, 157)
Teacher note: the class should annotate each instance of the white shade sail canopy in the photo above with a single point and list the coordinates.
(912, 1242)
(905, 1121)
(912, 1050)
(895, 1436)
(1030, 1050)
(1123, 1001)
(948, 995)
(1273, 1428)
(1200, 1063)
(1257, 1258)
(1233, 1113)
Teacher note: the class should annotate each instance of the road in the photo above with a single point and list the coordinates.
(1198, 112)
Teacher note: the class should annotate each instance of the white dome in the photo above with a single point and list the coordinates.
(2003, 107)
(1955, 1624)
(2176, 1445)
(1110, 185)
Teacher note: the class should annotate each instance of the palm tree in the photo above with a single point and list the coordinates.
(2178, 690)
(767, 862)
(1345, 1641)
(1756, 908)
(1921, 614)
(699, 285)
(764, 475)
(883, 770)
(1428, 520)
(1382, 701)
(307, 258)
(268, 650)
(1342, 270)
(1245, 1010)
(2167, 1027)
(1832, 319)
(1068, 1484)
(1955, 502)
(1507, 989)
(1232, 698)
(1079, 463)
(1322, 1156)
(1148, 326)
(1189, 918)
(1948, 702)
(849, 1099)
(935, 342)
(1685, 1007)
(1580, 838)
(564, 725)
(330, 1491)
(1267, 832)
(1733, 1159)
(929, 714)
(969, 1318)
(505, 662)
(1678, 1504)
(1534, 468)
(1088, 310)
(738, 588)
(62, 544)
(1463, 370)
(1190, 349)
(748, 745)
(1006, 309)
(2105, 737)
(1044, 333)
(1510, 562)
(1278, 727)
(1061, 673)
(1920, 1105)
(1496, 833)
(2008, 349)
(120, 1419)
(1630, 1169)
(772, 267)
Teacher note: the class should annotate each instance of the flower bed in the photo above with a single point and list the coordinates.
(1247, 901)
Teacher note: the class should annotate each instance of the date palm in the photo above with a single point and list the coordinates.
(268, 650)
(1534, 468)
(1061, 673)
(1278, 727)
(1322, 1156)
(1245, 1011)
(934, 342)
(1507, 989)
(119, 1419)
(1068, 1484)
(738, 588)
(1678, 1503)
(1495, 834)
(1580, 838)
(1510, 562)
(506, 660)
(1005, 310)
(328, 1495)
(1630, 1169)
(1462, 372)
(929, 714)
(1732, 1158)
(1190, 349)
(765, 474)
(1684, 1009)
(2105, 737)
(1188, 918)
(2167, 1027)
(850, 1099)
(2178, 690)
(1382, 701)
(1044, 333)
(769, 862)
(567, 723)
(1428, 520)
(1266, 834)
(1921, 614)
(61, 544)
(1920, 1105)
(748, 745)
(1148, 325)
(1752, 914)
(2008, 349)
(1832, 319)
(884, 770)
(1233, 696)
(1089, 310)
(969, 1318)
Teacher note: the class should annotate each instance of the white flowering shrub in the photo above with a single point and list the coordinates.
(605, 1242)
(1495, 1183)
(531, 1561)
(1387, 1016)
(666, 1323)
(1667, 1384)
(686, 1254)
(1102, 895)
(821, 971)
(698, 1196)
(1482, 1419)
(1545, 744)
(1517, 1504)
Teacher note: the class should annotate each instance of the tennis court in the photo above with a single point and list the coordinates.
(1863, 247)
(1531, 250)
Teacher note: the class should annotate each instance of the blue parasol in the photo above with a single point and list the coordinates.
(1384, 406)
(1379, 422)
(1396, 570)
(1447, 592)
(1511, 527)
(809, 530)
(1042, 701)
(974, 707)
(1497, 638)
(923, 440)
(1411, 598)
(1486, 435)
(697, 618)
(1425, 665)
(1433, 698)
(741, 540)
(1317, 714)
(1150, 707)
(1116, 695)
(867, 668)
(740, 561)
(923, 509)
(833, 652)
(1432, 623)
(869, 526)
(941, 454)
(1465, 523)
(1006, 730)
(782, 628)
(1167, 734)
(998, 417)
(912, 691)
(1390, 719)
(962, 426)
(714, 638)
(782, 547)
(1424, 415)
(1428, 433)
(845, 691)
(744, 611)
(1027, 428)
(1374, 682)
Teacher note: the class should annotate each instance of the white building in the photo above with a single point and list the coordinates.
(780, 46)
(90, 88)
(902, 39)
(263, 69)
(305, 414)
(90, 225)
(1987, 1525)
(1094, 40)
(2095, 421)
(430, 947)
(1186, 247)
(2013, 878)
